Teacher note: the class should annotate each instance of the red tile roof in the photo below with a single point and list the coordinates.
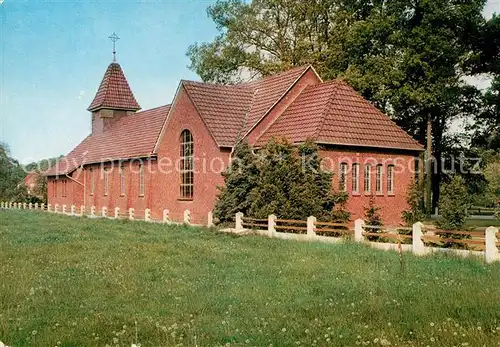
(114, 91)
(230, 111)
(223, 108)
(131, 136)
(334, 113)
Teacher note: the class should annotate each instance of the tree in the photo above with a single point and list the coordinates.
(492, 175)
(282, 179)
(415, 200)
(11, 177)
(373, 218)
(239, 180)
(453, 204)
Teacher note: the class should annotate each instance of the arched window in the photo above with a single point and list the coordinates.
(343, 177)
(122, 181)
(378, 180)
(186, 165)
(355, 178)
(368, 179)
(390, 179)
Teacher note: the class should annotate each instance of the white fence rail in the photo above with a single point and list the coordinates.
(112, 213)
(419, 239)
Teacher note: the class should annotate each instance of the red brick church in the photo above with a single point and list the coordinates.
(171, 157)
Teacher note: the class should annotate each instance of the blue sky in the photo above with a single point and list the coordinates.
(53, 55)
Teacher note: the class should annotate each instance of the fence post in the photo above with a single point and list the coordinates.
(131, 213)
(210, 219)
(147, 215)
(73, 210)
(36, 206)
(358, 230)
(82, 210)
(165, 216)
(30, 206)
(117, 212)
(92, 211)
(271, 224)
(491, 251)
(311, 226)
(64, 209)
(418, 246)
(48, 207)
(56, 208)
(187, 217)
(104, 211)
(24, 206)
(239, 222)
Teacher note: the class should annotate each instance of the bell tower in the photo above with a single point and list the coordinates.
(114, 98)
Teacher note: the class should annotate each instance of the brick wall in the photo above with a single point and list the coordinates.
(392, 205)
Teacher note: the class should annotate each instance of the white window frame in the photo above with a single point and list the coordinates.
(343, 177)
(141, 180)
(390, 179)
(379, 179)
(186, 153)
(106, 182)
(367, 182)
(92, 181)
(122, 181)
(355, 178)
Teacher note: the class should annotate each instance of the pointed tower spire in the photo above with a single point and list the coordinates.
(114, 92)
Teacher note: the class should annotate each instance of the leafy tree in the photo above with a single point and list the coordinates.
(453, 204)
(373, 218)
(492, 174)
(415, 199)
(11, 177)
(239, 180)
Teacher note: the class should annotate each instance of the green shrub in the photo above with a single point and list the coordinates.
(453, 204)
(415, 199)
(373, 218)
(282, 179)
(240, 179)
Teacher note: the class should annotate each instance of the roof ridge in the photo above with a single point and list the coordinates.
(278, 100)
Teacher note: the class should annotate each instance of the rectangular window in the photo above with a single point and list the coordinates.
(106, 182)
(122, 181)
(355, 178)
(368, 179)
(141, 180)
(390, 179)
(92, 182)
(343, 177)
(378, 179)
(64, 188)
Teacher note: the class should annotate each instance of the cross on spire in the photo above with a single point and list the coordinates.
(114, 38)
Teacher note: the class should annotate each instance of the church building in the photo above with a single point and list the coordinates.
(171, 157)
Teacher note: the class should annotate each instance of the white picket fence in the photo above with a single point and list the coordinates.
(114, 213)
(421, 236)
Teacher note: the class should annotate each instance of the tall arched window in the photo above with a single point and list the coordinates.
(187, 164)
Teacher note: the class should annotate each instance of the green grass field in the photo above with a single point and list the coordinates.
(77, 282)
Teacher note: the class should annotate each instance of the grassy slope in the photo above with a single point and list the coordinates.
(77, 282)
